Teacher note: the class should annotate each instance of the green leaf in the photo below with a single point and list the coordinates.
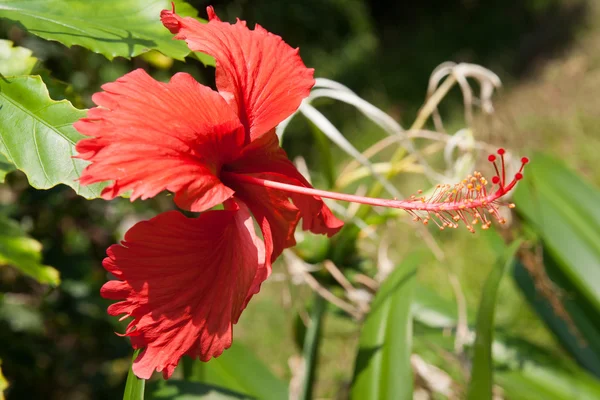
(5, 167)
(37, 135)
(382, 369)
(124, 28)
(310, 350)
(523, 370)
(134, 386)
(22, 252)
(15, 60)
(584, 344)
(182, 390)
(537, 381)
(563, 209)
(480, 387)
(239, 371)
(526, 371)
(3, 383)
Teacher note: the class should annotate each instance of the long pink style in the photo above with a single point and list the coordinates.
(468, 201)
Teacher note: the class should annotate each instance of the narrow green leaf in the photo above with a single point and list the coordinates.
(15, 60)
(3, 383)
(310, 351)
(563, 209)
(5, 167)
(584, 344)
(124, 28)
(239, 371)
(37, 135)
(382, 369)
(24, 253)
(537, 381)
(134, 386)
(480, 387)
(182, 390)
(523, 371)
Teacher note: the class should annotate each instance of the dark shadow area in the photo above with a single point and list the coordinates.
(391, 47)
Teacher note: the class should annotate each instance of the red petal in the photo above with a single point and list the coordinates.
(257, 72)
(149, 136)
(185, 282)
(277, 216)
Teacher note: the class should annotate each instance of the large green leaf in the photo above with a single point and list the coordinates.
(15, 60)
(134, 386)
(239, 371)
(37, 135)
(382, 370)
(564, 210)
(584, 343)
(113, 28)
(480, 387)
(22, 252)
(5, 167)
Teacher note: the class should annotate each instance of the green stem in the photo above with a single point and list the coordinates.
(134, 387)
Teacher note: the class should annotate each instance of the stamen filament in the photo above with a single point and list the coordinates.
(468, 201)
(420, 204)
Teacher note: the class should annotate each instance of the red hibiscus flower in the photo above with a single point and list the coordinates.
(185, 281)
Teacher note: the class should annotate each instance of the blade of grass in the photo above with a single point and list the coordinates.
(480, 387)
(310, 351)
(383, 369)
(134, 387)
